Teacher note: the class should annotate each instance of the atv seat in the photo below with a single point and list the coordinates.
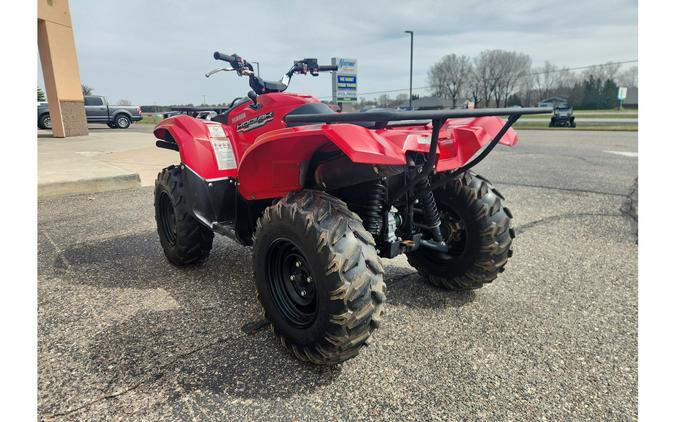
(258, 84)
(311, 108)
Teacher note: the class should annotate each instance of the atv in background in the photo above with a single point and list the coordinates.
(563, 116)
(322, 197)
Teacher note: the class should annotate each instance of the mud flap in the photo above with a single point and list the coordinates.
(211, 201)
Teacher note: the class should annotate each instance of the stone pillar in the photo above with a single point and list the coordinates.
(56, 44)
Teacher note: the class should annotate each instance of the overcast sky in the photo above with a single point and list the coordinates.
(158, 51)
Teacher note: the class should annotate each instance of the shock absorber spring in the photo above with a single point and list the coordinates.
(431, 217)
(374, 209)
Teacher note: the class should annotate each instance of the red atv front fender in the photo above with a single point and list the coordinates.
(277, 162)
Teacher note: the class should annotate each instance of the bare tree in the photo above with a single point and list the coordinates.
(512, 67)
(602, 72)
(474, 88)
(383, 101)
(400, 100)
(124, 102)
(87, 90)
(611, 70)
(486, 75)
(545, 79)
(525, 87)
(628, 77)
(449, 77)
(566, 79)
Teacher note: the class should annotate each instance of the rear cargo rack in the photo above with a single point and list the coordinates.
(382, 118)
(438, 118)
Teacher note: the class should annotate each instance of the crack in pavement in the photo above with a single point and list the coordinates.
(630, 208)
(251, 328)
(152, 374)
(560, 189)
(583, 159)
(59, 252)
(524, 227)
(397, 279)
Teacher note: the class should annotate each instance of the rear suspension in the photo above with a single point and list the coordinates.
(373, 211)
(432, 219)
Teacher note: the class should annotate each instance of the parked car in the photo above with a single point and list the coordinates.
(169, 114)
(207, 115)
(97, 110)
(563, 116)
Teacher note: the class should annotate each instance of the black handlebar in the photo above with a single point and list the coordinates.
(260, 86)
(220, 56)
(328, 68)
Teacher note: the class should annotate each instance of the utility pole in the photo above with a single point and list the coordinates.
(411, 68)
(257, 68)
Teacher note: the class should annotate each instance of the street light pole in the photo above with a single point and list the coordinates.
(257, 68)
(411, 68)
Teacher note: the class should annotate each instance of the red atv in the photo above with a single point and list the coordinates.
(323, 196)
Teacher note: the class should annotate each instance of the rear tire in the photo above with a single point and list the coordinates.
(122, 121)
(318, 276)
(476, 227)
(185, 240)
(45, 122)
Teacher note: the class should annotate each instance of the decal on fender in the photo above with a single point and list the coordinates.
(255, 122)
(224, 154)
(222, 148)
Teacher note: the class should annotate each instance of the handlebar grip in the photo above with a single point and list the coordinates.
(220, 56)
(328, 68)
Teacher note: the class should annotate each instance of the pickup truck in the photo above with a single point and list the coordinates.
(97, 110)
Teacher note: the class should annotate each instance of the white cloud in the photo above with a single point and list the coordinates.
(158, 52)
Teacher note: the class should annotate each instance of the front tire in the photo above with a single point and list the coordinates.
(476, 228)
(318, 276)
(112, 125)
(185, 241)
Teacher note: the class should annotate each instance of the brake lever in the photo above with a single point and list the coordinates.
(222, 69)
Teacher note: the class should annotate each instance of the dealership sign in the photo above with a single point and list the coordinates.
(344, 80)
(622, 93)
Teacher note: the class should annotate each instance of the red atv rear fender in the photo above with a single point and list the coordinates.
(198, 141)
(277, 162)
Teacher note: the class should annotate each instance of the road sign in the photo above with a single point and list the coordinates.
(622, 93)
(344, 80)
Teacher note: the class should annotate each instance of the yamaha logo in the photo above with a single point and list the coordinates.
(255, 122)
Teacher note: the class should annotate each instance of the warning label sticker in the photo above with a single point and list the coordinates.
(224, 154)
(216, 131)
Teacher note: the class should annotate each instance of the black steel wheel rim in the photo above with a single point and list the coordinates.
(291, 284)
(455, 234)
(167, 218)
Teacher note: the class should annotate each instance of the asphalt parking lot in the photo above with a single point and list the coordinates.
(102, 128)
(125, 336)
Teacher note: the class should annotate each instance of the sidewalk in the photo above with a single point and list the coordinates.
(99, 162)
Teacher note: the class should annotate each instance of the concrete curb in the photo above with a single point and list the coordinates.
(83, 186)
